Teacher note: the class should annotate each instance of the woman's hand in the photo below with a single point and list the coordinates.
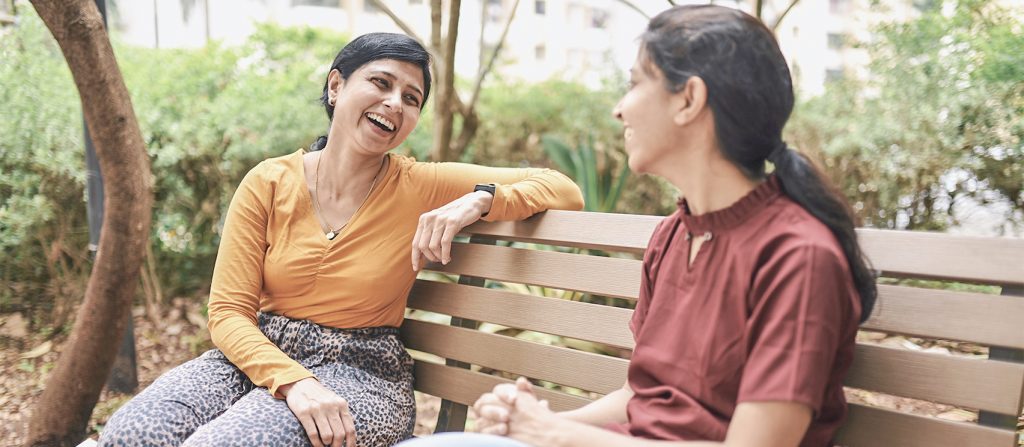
(438, 228)
(494, 410)
(323, 414)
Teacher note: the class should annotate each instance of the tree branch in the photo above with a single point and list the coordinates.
(435, 52)
(778, 20)
(636, 8)
(484, 70)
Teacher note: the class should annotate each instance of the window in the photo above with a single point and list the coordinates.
(493, 10)
(415, 2)
(326, 3)
(838, 6)
(539, 52)
(598, 18)
(540, 7)
(833, 75)
(371, 7)
(836, 41)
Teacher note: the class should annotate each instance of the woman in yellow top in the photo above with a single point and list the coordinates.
(318, 253)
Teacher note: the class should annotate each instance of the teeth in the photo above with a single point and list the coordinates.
(380, 119)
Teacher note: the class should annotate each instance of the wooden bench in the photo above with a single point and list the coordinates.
(461, 360)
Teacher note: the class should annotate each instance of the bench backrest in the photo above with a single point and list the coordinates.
(510, 300)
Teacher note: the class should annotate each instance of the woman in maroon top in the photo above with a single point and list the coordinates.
(752, 291)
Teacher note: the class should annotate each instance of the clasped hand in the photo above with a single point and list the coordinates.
(437, 228)
(514, 410)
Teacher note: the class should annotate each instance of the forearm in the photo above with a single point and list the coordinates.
(541, 190)
(610, 409)
(253, 353)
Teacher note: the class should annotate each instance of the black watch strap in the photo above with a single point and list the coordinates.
(489, 187)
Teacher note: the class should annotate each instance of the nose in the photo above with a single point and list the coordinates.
(393, 101)
(617, 111)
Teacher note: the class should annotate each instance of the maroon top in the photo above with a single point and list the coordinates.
(767, 312)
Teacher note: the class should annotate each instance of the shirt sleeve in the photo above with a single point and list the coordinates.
(802, 301)
(237, 285)
(520, 192)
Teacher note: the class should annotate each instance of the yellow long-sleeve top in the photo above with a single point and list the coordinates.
(273, 255)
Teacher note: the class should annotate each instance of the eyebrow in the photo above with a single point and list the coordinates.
(395, 78)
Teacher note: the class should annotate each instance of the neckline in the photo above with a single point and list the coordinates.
(311, 211)
(734, 214)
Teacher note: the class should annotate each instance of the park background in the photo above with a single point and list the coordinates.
(913, 107)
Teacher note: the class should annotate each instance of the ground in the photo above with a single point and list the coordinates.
(161, 343)
(179, 333)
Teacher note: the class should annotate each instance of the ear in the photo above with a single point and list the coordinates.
(334, 83)
(689, 102)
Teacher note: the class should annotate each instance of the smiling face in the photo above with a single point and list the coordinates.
(647, 117)
(378, 105)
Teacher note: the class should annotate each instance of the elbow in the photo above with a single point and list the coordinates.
(571, 194)
(576, 200)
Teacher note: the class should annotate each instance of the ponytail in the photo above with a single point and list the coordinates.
(318, 144)
(807, 186)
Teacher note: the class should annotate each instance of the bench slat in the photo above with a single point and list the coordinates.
(601, 231)
(464, 386)
(601, 324)
(991, 320)
(865, 426)
(614, 277)
(907, 253)
(551, 363)
(870, 427)
(941, 314)
(965, 382)
(972, 383)
(945, 256)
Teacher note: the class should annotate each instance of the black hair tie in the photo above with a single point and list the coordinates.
(780, 151)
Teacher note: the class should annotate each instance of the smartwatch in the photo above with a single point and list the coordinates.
(489, 187)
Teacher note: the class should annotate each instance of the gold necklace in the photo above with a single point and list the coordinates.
(316, 197)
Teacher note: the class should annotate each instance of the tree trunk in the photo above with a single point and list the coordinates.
(444, 114)
(63, 410)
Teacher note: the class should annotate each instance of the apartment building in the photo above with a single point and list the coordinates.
(584, 40)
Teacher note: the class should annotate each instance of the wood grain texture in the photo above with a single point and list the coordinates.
(592, 322)
(614, 277)
(873, 427)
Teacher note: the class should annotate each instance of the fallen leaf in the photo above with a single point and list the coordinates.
(14, 326)
(38, 351)
(196, 318)
(174, 329)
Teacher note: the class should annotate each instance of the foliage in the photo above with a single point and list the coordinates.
(936, 125)
(207, 116)
(519, 122)
(594, 172)
(43, 229)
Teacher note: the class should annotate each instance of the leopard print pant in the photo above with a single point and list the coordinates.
(209, 401)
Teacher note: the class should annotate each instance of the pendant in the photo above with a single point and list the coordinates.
(331, 235)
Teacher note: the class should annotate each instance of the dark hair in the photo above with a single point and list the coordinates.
(368, 48)
(750, 94)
